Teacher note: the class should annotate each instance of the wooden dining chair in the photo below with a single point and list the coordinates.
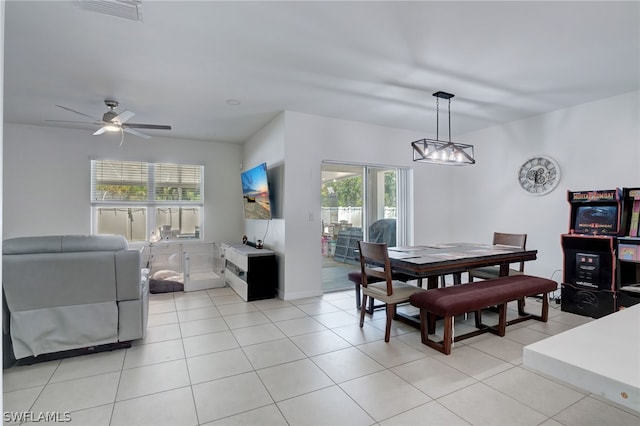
(499, 238)
(374, 263)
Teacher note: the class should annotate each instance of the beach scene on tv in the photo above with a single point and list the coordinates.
(255, 192)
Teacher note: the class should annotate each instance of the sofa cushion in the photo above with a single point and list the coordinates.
(71, 243)
(63, 243)
(26, 245)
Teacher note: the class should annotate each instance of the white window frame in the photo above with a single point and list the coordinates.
(150, 204)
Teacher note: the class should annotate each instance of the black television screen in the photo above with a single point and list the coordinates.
(596, 219)
(255, 193)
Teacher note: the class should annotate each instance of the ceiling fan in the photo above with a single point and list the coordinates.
(113, 121)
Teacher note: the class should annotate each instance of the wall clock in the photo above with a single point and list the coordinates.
(539, 175)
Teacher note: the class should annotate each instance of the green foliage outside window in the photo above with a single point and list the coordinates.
(121, 192)
(139, 193)
(343, 193)
(390, 189)
(172, 193)
(348, 192)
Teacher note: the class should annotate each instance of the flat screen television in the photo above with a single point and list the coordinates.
(596, 219)
(255, 193)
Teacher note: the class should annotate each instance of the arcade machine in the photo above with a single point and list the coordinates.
(628, 266)
(589, 269)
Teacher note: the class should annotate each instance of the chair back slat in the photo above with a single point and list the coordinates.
(516, 240)
(374, 262)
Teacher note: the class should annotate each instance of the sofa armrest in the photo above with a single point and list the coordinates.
(128, 275)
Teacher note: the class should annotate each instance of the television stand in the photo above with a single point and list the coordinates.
(252, 273)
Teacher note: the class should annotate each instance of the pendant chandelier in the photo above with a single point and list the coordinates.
(442, 152)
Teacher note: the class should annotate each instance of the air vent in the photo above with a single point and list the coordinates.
(126, 9)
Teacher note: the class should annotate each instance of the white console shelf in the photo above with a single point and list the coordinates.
(251, 272)
(601, 357)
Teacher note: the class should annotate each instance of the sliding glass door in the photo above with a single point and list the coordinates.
(381, 205)
(359, 202)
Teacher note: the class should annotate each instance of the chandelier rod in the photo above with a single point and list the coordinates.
(437, 118)
(449, 119)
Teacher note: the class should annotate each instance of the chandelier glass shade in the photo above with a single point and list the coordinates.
(442, 152)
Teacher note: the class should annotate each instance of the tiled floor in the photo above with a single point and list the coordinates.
(210, 358)
(334, 275)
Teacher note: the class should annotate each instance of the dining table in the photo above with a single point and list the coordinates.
(432, 261)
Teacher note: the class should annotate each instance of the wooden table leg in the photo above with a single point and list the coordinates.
(432, 282)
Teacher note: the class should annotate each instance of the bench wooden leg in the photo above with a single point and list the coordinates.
(478, 315)
(448, 335)
(431, 323)
(524, 316)
(502, 319)
(427, 318)
(544, 316)
(424, 327)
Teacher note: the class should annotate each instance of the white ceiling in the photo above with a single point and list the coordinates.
(375, 62)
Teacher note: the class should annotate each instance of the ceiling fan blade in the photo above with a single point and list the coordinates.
(123, 116)
(135, 132)
(97, 123)
(78, 112)
(147, 126)
(100, 131)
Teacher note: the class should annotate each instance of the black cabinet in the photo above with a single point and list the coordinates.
(251, 272)
(589, 283)
(587, 301)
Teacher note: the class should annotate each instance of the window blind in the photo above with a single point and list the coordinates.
(135, 182)
(119, 181)
(178, 182)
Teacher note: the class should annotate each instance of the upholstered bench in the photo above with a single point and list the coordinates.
(473, 297)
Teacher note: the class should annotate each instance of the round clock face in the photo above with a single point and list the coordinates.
(539, 175)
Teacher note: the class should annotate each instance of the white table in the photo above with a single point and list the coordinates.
(601, 357)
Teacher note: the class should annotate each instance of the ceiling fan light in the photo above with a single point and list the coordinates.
(112, 127)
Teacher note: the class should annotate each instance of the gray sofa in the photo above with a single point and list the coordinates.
(71, 292)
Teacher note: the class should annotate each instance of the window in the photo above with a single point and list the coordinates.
(135, 198)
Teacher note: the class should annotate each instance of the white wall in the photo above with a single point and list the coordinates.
(267, 146)
(311, 140)
(47, 178)
(597, 146)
